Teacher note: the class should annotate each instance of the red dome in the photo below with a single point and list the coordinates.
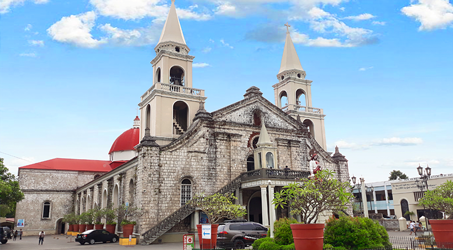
(126, 141)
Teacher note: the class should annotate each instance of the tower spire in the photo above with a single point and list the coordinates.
(290, 59)
(172, 31)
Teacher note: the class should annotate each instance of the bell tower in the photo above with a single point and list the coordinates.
(293, 92)
(169, 106)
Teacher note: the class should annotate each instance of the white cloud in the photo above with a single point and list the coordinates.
(365, 68)
(378, 23)
(32, 54)
(200, 65)
(189, 14)
(206, 50)
(36, 42)
(5, 5)
(408, 141)
(226, 44)
(134, 37)
(348, 145)
(360, 17)
(432, 14)
(28, 27)
(76, 30)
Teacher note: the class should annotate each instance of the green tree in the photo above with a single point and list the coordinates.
(10, 192)
(395, 174)
(218, 206)
(440, 198)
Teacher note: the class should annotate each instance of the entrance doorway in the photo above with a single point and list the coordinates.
(405, 208)
(255, 210)
(61, 227)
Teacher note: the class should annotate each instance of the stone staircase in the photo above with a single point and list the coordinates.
(169, 222)
(178, 127)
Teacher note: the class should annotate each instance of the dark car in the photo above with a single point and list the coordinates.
(93, 236)
(5, 234)
(239, 234)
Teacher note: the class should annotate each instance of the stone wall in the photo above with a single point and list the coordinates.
(389, 224)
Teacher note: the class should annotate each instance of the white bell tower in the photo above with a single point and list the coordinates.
(293, 92)
(169, 106)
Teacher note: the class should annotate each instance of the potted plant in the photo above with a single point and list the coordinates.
(124, 214)
(97, 216)
(310, 198)
(216, 207)
(110, 217)
(89, 217)
(69, 218)
(75, 220)
(441, 199)
(82, 222)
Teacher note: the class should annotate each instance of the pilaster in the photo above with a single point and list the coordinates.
(264, 205)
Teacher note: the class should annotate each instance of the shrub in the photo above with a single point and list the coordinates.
(355, 233)
(269, 245)
(327, 246)
(288, 247)
(258, 242)
(282, 231)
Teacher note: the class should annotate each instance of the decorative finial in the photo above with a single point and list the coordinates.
(287, 27)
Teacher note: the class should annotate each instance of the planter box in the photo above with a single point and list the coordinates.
(308, 236)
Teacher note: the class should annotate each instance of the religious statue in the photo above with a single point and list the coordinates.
(315, 166)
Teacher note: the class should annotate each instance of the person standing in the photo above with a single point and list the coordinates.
(412, 227)
(41, 237)
(14, 235)
(20, 234)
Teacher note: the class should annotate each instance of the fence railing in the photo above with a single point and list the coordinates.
(411, 243)
(270, 173)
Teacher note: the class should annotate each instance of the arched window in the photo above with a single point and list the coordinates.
(257, 118)
(255, 142)
(46, 210)
(158, 75)
(283, 99)
(300, 98)
(310, 126)
(405, 208)
(131, 192)
(148, 116)
(269, 160)
(250, 163)
(180, 117)
(186, 191)
(177, 76)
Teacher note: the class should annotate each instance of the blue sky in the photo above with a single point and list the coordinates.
(72, 72)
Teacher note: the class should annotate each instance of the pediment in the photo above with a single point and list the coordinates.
(242, 112)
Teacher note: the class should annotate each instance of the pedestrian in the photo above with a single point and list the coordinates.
(14, 235)
(41, 237)
(417, 227)
(412, 227)
(20, 234)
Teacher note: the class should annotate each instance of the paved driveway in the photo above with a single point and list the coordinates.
(67, 242)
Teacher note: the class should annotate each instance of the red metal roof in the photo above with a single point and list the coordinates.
(137, 119)
(71, 165)
(126, 141)
(115, 164)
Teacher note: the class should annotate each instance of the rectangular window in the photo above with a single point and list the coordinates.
(46, 210)
(259, 161)
(186, 193)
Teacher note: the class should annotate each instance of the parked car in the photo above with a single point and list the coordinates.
(93, 236)
(239, 234)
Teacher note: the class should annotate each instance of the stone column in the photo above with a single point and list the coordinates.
(110, 183)
(271, 209)
(364, 200)
(92, 197)
(99, 185)
(264, 205)
(387, 199)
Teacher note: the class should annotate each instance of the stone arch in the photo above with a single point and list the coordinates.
(186, 190)
(180, 117)
(310, 126)
(116, 197)
(131, 191)
(60, 226)
(158, 75)
(104, 198)
(283, 99)
(177, 75)
(301, 97)
(254, 208)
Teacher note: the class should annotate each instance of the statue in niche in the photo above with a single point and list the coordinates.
(315, 165)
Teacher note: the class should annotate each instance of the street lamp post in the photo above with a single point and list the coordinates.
(371, 190)
(422, 183)
(357, 185)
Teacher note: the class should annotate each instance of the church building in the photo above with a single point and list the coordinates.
(178, 149)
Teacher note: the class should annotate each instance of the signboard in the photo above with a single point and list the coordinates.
(188, 241)
(20, 223)
(206, 231)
